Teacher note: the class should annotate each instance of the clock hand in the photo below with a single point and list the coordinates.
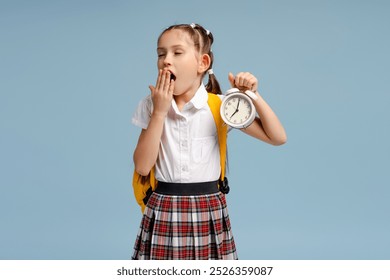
(234, 113)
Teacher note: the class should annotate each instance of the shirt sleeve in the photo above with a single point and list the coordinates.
(143, 113)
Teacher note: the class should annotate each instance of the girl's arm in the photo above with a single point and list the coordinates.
(267, 126)
(146, 151)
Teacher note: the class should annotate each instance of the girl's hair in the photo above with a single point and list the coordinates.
(203, 39)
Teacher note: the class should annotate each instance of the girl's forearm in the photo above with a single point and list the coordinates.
(270, 122)
(146, 152)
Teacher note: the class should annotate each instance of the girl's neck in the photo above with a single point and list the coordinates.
(185, 97)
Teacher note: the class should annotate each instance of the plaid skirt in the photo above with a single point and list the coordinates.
(185, 228)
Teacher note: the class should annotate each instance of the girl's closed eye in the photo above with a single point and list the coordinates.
(177, 51)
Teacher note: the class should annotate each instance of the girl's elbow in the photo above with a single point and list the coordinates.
(142, 170)
(279, 142)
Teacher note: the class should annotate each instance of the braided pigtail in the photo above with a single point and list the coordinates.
(208, 39)
(212, 84)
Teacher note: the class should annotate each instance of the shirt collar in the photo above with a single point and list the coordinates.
(198, 101)
(200, 98)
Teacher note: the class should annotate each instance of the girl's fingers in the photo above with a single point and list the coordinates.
(152, 89)
(163, 80)
(246, 80)
(240, 79)
(253, 84)
(167, 81)
(231, 79)
(171, 88)
(159, 78)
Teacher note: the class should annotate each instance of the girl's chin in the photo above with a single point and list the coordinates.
(177, 91)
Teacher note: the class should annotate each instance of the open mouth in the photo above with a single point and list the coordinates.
(173, 77)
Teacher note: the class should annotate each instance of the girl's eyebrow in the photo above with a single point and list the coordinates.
(174, 46)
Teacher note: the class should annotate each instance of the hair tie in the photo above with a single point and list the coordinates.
(193, 25)
(207, 32)
(210, 71)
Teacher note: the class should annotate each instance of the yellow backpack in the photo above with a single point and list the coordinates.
(144, 188)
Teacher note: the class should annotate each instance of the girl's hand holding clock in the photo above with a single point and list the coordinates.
(243, 81)
(237, 109)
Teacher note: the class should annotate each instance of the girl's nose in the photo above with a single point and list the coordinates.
(167, 60)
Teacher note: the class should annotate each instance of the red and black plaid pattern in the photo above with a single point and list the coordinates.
(185, 228)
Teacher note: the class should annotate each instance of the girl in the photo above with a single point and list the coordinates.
(186, 217)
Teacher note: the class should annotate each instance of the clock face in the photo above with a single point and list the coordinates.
(237, 110)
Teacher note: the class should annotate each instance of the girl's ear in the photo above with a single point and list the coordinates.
(204, 64)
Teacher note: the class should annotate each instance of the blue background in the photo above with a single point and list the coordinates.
(73, 72)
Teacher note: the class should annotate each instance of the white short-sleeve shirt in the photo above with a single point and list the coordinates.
(189, 149)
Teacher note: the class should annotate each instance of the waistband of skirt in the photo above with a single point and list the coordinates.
(187, 188)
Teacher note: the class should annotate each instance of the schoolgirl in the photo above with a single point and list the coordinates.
(186, 216)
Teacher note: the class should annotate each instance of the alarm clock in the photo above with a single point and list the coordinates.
(237, 109)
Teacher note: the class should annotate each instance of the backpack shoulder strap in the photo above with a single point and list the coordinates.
(214, 103)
